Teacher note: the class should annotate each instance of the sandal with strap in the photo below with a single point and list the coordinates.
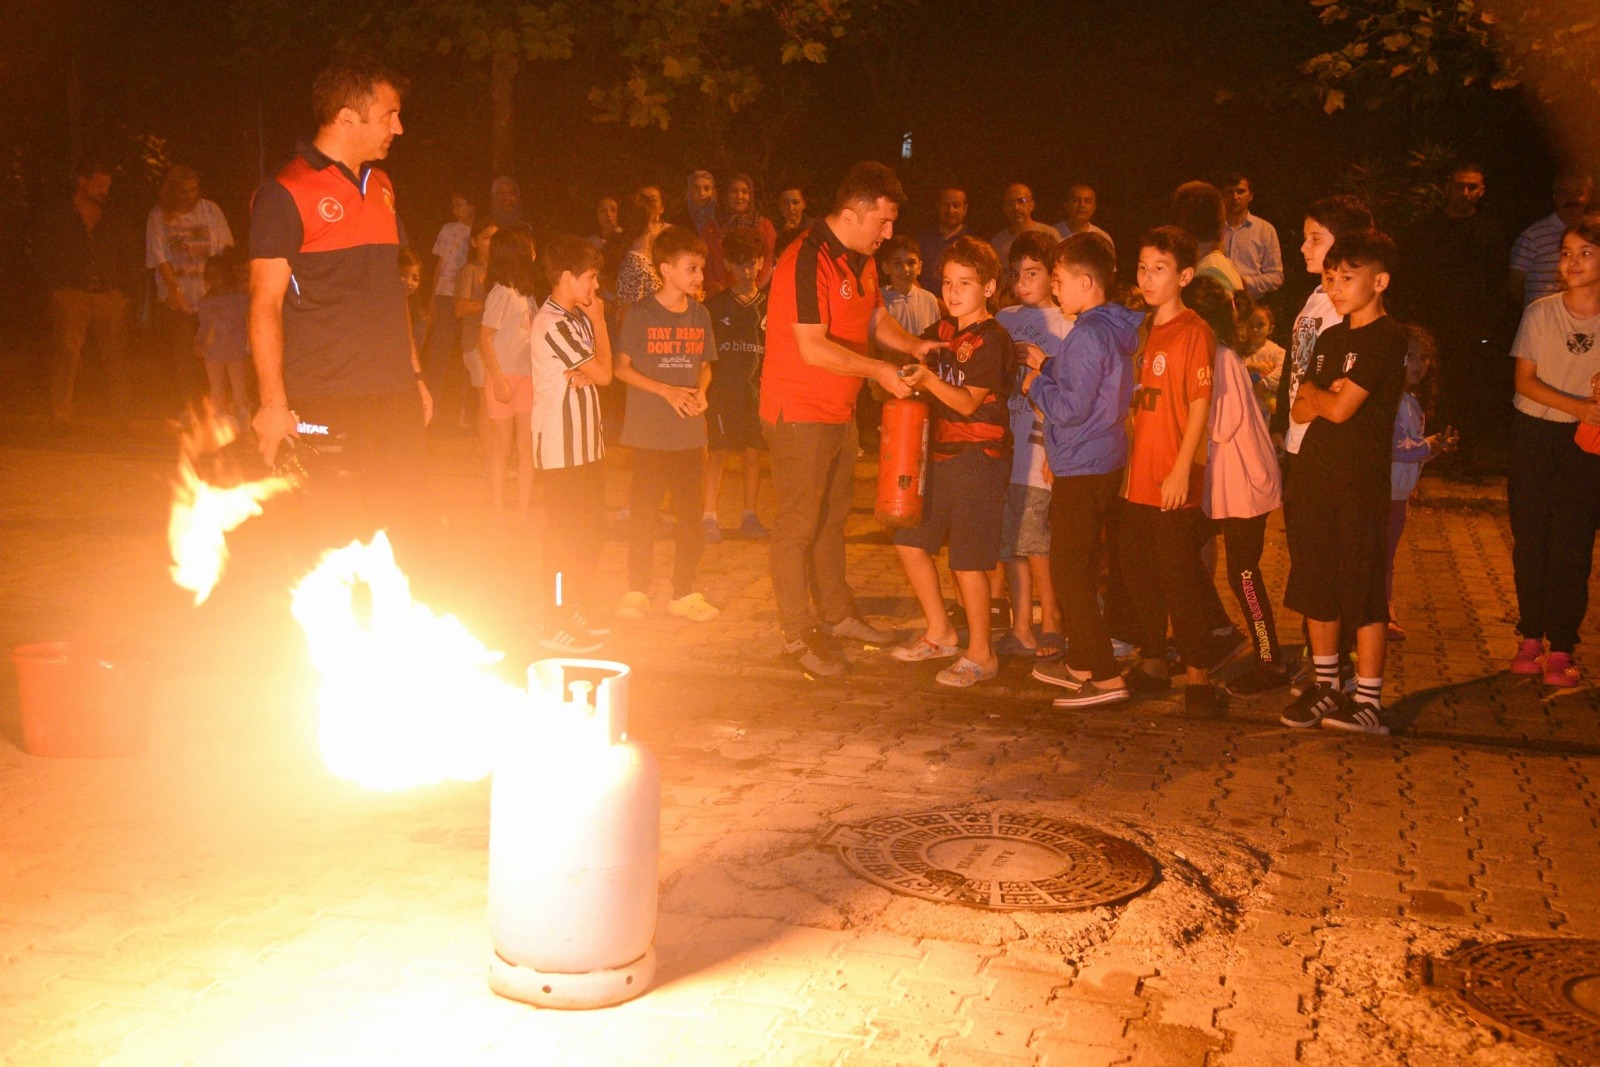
(1011, 645)
(963, 673)
(922, 648)
(1052, 646)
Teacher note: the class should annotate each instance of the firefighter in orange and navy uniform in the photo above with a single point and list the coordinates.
(329, 330)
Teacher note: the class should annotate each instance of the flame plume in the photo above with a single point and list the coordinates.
(204, 512)
(406, 696)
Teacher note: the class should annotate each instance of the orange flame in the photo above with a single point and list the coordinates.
(406, 696)
(203, 512)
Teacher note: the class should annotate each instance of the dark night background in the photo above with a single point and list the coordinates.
(1134, 96)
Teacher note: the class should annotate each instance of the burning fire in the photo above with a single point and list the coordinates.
(406, 695)
(204, 512)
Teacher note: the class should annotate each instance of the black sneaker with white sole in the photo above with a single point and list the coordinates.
(1312, 706)
(1141, 682)
(1201, 701)
(1357, 717)
(1258, 678)
(1057, 673)
(1088, 695)
(569, 639)
(856, 629)
(593, 626)
(815, 655)
(1308, 674)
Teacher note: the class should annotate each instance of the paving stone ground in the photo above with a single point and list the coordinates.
(223, 899)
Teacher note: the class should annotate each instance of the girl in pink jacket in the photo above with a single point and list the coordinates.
(1242, 488)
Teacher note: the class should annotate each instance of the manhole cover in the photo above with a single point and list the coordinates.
(998, 861)
(1545, 988)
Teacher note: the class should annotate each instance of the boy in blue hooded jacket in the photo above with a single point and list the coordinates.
(1083, 392)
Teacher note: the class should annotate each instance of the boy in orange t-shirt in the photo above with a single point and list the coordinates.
(1162, 528)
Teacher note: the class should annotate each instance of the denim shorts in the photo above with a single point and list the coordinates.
(1026, 529)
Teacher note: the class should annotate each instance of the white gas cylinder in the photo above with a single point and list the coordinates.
(574, 840)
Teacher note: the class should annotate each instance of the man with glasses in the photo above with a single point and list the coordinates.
(1017, 205)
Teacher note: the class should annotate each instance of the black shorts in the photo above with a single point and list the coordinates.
(732, 427)
(963, 507)
(1338, 553)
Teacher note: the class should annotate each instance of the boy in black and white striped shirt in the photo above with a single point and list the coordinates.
(571, 361)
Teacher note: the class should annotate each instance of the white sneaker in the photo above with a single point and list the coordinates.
(635, 605)
(692, 606)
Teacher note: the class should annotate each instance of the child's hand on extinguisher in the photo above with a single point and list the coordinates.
(916, 375)
(890, 379)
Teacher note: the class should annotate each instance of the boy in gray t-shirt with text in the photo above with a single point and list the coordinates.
(664, 354)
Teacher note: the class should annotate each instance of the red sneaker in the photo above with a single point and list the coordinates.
(1529, 652)
(1560, 672)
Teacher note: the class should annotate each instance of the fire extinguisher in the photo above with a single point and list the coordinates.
(902, 462)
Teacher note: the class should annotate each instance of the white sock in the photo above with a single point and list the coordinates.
(1370, 691)
(1327, 668)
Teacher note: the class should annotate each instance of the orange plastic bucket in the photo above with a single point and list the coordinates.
(83, 698)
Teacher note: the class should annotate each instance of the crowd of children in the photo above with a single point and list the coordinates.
(1088, 443)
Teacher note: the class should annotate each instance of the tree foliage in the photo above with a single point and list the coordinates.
(643, 57)
(1450, 51)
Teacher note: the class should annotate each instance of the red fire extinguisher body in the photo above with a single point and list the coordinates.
(902, 463)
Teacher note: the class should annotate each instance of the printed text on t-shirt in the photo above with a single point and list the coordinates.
(677, 346)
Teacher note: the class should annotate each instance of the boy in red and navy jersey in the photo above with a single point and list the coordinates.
(329, 329)
(967, 378)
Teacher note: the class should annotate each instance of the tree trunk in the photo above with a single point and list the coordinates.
(502, 85)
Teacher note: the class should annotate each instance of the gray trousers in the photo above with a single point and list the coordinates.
(813, 473)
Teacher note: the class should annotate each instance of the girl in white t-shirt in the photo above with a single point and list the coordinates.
(505, 345)
(1553, 487)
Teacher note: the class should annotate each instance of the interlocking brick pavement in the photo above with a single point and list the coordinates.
(223, 900)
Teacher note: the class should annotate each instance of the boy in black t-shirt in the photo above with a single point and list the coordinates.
(969, 464)
(1336, 505)
(733, 421)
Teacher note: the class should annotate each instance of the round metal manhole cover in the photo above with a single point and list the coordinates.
(1544, 988)
(998, 861)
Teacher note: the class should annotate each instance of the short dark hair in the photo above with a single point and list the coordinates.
(675, 241)
(974, 254)
(1212, 301)
(222, 272)
(1034, 244)
(1174, 242)
(900, 242)
(1233, 177)
(1340, 214)
(408, 259)
(1362, 248)
(511, 255)
(1587, 229)
(92, 166)
(796, 186)
(1197, 207)
(866, 183)
(742, 245)
(1249, 306)
(350, 83)
(1087, 253)
(569, 255)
